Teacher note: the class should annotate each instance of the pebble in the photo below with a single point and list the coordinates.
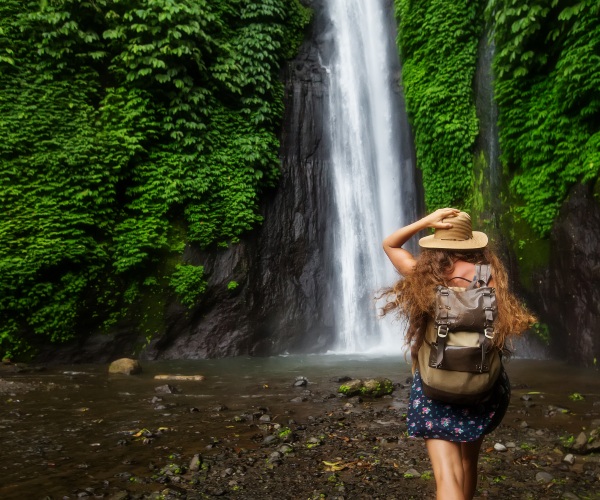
(524, 424)
(510, 444)
(499, 447)
(569, 458)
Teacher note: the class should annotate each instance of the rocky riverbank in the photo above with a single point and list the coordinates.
(309, 442)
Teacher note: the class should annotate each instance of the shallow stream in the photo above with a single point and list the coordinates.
(68, 426)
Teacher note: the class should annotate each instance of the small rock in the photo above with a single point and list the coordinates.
(526, 397)
(510, 444)
(265, 418)
(125, 366)
(580, 443)
(499, 447)
(269, 439)
(543, 477)
(524, 424)
(166, 389)
(569, 458)
(410, 473)
(567, 495)
(299, 399)
(300, 382)
(195, 463)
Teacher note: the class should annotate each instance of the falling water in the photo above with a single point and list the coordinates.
(371, 156)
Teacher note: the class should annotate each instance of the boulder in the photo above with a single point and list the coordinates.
(126, 366)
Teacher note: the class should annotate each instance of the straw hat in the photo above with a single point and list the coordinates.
(459, 237)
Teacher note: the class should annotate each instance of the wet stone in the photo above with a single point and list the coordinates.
(544, 477)
(166, 389)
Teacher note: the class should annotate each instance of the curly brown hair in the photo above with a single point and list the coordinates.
(413, 296)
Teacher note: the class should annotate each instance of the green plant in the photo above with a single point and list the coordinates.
(232, 285)
(188, 283)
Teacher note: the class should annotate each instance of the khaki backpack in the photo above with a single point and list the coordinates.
(458, 362)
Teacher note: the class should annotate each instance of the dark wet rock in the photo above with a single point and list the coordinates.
(299, 399)
(566, 293)
(125, 366)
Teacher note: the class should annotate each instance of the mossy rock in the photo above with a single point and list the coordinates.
(377, 387)
(351, 388)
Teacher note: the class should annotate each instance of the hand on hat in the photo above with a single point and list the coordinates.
(435, 219)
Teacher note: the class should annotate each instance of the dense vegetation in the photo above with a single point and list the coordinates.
(547, 67)
(438, 42)
(129, 129)
(547, 76)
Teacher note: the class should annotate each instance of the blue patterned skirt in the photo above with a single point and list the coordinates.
(428, 418)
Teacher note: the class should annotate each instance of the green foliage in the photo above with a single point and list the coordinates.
(129, 129)
(547, 69)
(438, 43)
(188, 283)
(232, 285)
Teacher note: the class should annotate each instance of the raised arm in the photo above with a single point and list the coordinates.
(402, 259)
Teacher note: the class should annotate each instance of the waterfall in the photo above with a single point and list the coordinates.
(372, 168)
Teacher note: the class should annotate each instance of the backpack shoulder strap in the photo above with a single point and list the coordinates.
(483, 275)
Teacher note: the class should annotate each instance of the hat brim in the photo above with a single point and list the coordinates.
(479, 240)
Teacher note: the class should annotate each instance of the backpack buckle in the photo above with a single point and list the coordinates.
(445, 330)
(489, 332)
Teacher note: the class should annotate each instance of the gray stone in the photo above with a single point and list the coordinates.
(569, 458)
(543, 477)
(499, 447)
(195, 463)
(580, 442)
(166, 389)
(125, 366)
(410, 473)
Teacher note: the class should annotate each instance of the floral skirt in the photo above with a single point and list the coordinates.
(428, 418)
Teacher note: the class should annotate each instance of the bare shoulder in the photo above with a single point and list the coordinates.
(462, 269)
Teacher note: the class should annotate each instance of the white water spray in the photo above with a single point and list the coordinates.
(372, 169)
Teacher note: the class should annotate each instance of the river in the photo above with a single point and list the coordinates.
(65, 427)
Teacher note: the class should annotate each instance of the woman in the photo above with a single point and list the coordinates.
(453, 433)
